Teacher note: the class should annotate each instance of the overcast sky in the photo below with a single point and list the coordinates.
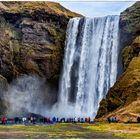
(97, 9)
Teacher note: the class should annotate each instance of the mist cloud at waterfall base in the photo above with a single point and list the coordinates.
(28, 94)
(31, 94)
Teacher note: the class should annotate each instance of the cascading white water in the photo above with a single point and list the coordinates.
(90, 65)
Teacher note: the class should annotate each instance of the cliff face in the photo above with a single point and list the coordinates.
(32, 38)
(129, 24)
(123, 99)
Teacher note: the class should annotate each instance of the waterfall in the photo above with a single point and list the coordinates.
(90, 65)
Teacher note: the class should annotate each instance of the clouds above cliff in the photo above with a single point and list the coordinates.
(97, 9)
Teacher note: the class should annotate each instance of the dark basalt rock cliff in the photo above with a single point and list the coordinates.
(32, 38)
(123, 99)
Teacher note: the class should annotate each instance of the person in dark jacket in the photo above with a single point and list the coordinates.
(79, 119)
(57, 120)
(138, 119)
(109, 120)
(54, 119)
(16, 119)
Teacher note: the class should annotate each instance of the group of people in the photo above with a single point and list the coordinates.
(74, 120)
(45, 120)
(112, 119)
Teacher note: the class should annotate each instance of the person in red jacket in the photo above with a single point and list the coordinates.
(3, 120)
(88, 119)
